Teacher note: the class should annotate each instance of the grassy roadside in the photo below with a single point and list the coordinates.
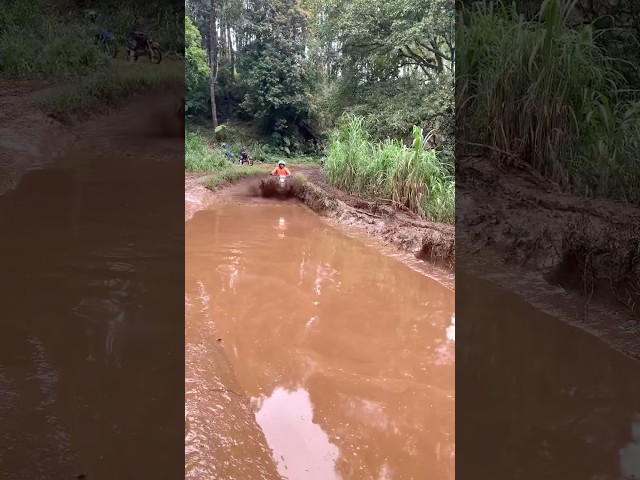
(204, 152)
(202, 155)
(107, 87)
(230, 175)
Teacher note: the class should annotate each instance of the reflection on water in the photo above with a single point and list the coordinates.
(348, 355)
(557, 402)
(630, 455)
(300, 447)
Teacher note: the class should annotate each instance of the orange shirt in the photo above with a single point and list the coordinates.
(281, 171)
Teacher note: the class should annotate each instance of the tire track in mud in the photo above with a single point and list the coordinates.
(222, 437)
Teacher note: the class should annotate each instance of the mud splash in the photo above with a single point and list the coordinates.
(559, 402)
(346, 355)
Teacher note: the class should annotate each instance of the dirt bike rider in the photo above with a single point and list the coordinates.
(228, 153)
(93, 17)
(281, 169)
(244, 155)
(101, 34)
(137, 37)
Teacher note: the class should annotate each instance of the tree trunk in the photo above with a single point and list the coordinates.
(213, 39)
(222, 48)
(232, 56)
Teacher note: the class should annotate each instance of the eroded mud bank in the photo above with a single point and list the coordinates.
(574, 257)
(428, 241)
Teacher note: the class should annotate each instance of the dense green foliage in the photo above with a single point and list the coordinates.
(580, 127)
(296, 68)
(388, 61)
(272, 66)
(34, 43)
(197, 71)
(200, 156)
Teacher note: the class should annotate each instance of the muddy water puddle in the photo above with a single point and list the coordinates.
(559, 402)
(346, 356)
(90, 309)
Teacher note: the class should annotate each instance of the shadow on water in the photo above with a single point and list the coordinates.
(558, 403)
(92, 316)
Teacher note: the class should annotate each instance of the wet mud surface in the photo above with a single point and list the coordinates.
(558, 402)
(28, 138)
(88, 300)
(339, 360)
(574, 257)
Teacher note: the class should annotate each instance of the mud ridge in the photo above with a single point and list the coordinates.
(428, 241)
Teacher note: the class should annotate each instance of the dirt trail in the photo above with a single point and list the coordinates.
(315, 387)
(30, 139)
(575, 257)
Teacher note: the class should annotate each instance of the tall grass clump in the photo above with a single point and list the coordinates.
(199, 156)
(413, 177)
(544, 92)
(36, 43)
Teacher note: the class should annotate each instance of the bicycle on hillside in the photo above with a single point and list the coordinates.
(107, 43)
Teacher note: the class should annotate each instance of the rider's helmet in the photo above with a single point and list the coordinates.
(224, 145)
(281, 163)
(93, 15)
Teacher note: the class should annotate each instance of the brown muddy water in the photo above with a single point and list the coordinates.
(556, 402)
(91, 274)
(346, 356)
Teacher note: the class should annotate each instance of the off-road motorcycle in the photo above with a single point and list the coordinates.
(144, 47)
(245, 159)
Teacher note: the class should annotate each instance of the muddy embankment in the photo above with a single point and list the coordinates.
(516, 226)
(429, 241)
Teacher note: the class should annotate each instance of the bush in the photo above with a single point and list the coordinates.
(415, 178)
(199, 156)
